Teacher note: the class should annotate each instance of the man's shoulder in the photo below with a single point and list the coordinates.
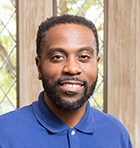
(15, 116)
(107, 121)
(100, 115)
(108, 125)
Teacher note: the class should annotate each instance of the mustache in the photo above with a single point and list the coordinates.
(74, 78)
(71, 78)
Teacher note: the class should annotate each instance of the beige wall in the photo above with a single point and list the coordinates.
(123, 64)
(30, 14)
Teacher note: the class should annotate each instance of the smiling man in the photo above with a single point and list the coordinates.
(67, 59)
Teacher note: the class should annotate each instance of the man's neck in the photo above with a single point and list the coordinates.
(71, 118)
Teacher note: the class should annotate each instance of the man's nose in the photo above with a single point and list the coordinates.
(72, 67)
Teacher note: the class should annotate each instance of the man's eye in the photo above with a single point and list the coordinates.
(57, 58)
(84, 57)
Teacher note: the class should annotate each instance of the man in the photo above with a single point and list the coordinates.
(67, 59)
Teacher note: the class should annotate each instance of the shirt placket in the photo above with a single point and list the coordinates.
(73, 138)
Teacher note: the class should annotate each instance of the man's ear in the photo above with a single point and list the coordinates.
(38, 64)
(98, 59)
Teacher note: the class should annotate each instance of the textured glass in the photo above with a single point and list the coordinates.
(94, 11)
(7, 56)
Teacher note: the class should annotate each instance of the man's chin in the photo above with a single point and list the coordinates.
(69, 103)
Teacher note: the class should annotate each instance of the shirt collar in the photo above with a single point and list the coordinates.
(51, 122)
(87, 123)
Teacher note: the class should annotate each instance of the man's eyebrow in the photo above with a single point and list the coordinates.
(50, 50)
(87, 49)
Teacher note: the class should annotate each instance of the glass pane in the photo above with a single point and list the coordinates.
(7, 56)
(93, 10)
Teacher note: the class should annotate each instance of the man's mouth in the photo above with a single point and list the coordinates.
(71, 86)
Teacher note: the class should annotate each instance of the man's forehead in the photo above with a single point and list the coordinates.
(69, 26)
(70, 34)
(70, 31)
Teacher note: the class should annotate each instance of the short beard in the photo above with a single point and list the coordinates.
(52, 92)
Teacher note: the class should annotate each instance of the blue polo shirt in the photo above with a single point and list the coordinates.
(35, 126)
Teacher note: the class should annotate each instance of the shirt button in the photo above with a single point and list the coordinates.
(73, 132)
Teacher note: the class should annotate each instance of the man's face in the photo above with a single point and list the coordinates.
(68, 65)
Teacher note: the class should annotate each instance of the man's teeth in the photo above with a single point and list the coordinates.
(72, 85)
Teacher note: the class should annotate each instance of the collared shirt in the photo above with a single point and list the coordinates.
(35, 126)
